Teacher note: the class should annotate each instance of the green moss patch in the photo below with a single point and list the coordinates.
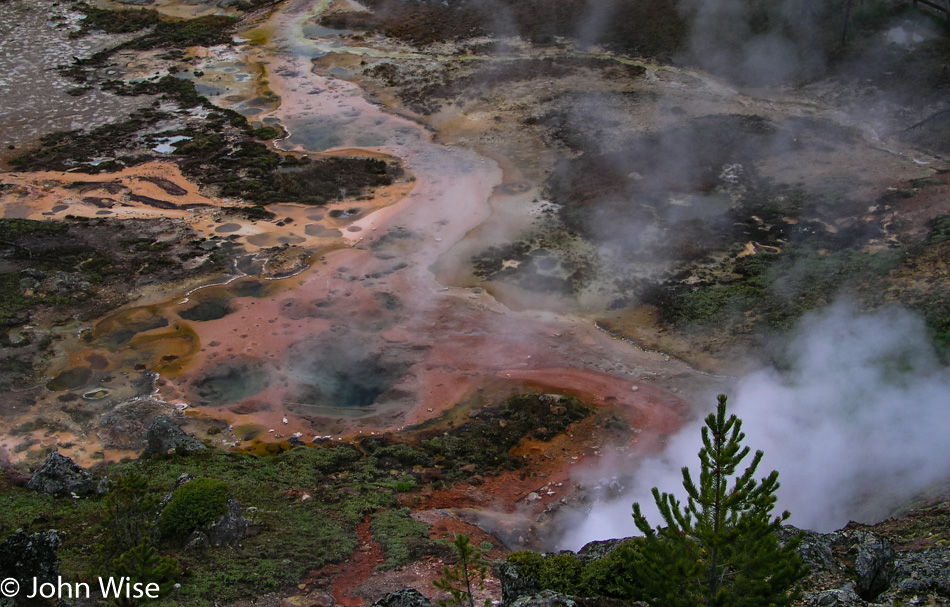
(403, 538)
(483, 444)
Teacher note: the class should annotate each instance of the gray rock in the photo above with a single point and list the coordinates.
(869, 555)
(546, 598)
(406, 597)
(598, 549)
(61, 476)
(226, 531)
(24, 557)
(183, 478)
(835, 597)
(126, 425)
(515, 586)
(164, 436)
(918, 572)
(814, 549)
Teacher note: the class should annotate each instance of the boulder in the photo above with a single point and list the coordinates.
(164, 436)
(60, 475)
(835, 597)
(869, 555)
(918, 572)
(598, 549)
(546, 598)
(857, 568)
(24, 557)
(407, 597)
(226, 531)
(126, 425)
(515, 586)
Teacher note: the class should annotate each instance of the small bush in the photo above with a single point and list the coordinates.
(558, 572)
(193, 505)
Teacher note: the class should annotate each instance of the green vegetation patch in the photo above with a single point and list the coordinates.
(210, 30)
(482, 445)
(303, 505)
(403, 538)
(583, 575)
(771, 290)
(122, 21)
(12, 230)
(939, 229)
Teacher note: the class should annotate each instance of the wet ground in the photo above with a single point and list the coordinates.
(338, 325)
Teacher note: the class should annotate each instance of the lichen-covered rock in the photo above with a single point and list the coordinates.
(868, 555)
(546, 598)
(814, 549)
(918, 572)
(834, 597)
(226, 531)
(164, 436)
(856, 568)
(24, 557)
(407, 597)
(598, 549)
(514, 585)
(60, 475)
(126, 425)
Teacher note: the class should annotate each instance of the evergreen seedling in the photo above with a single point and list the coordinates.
(458, 580)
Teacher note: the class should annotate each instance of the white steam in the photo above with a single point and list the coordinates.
(857, 422)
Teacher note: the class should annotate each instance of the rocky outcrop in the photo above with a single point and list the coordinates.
(126, 425)
(855, 568)
(918, 573)
(163, 436)
(545, 598)
(226, 531)
(406, 597)
(61, 476)
(515, 586)
(23, 557)
(549, 598)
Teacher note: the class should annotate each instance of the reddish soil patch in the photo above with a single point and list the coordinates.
(358, 568)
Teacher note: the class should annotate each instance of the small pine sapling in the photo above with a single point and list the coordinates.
(458, 579)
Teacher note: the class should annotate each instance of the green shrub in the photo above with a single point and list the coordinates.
(558, 572)
(267, 132)
(568, 574)
(193, 505)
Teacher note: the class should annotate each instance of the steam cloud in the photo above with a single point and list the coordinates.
(729, 37)
(856, 423)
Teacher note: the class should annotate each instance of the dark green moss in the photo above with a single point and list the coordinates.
(121, 21)
(266, 132)
(485, 442)
(939, 229)
(201, 31)
(402, 537)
